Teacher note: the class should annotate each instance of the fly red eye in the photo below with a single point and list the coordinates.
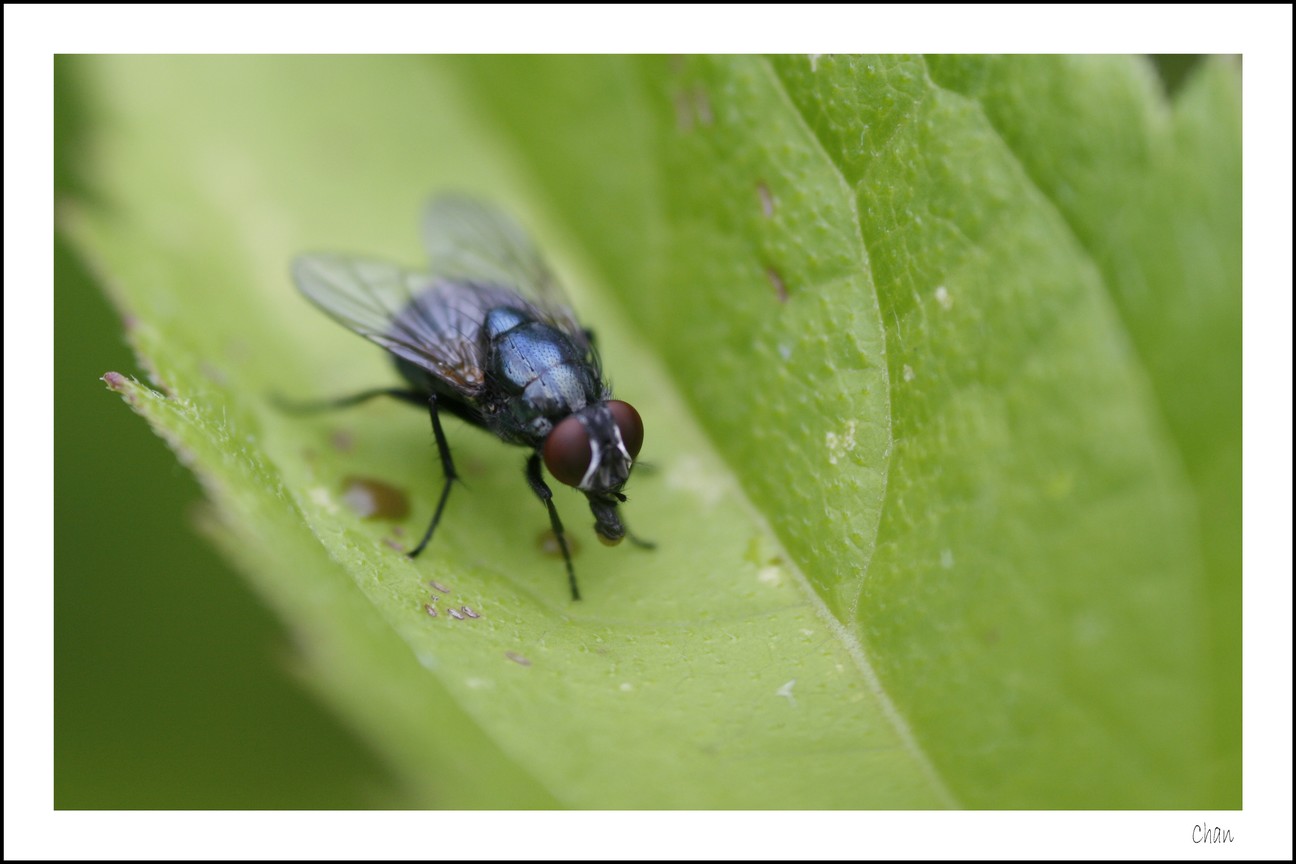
(629, 424)
(567, 451)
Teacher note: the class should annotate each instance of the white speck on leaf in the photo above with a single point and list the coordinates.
(908, 373)
(786, 692)
(840, 445)
(321, 498)
(943, 297)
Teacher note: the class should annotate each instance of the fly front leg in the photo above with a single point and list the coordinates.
(639, 542)
(447, 467)
(542, 491)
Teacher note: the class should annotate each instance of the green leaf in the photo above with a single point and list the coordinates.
(929, 498)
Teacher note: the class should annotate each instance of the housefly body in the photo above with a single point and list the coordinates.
(488, 336)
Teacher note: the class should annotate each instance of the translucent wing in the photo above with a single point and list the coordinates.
(471, 241)
(432, 322)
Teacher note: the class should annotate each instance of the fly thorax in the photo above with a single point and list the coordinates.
(520, 353)
(539, 372)
(502, 319)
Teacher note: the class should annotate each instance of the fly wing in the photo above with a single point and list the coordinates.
(471, 241)
(431, 322)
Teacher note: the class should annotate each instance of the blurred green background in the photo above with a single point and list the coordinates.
(173, 683)
(172, 687)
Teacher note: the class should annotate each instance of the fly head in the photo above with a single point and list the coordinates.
(594, 450)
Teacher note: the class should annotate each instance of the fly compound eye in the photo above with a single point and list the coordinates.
(628, 423)
(567, 451)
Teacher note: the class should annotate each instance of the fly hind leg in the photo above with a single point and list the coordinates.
(290, 406)
(447, 467)
(413, 397)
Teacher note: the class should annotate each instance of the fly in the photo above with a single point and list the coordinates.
(488, 336)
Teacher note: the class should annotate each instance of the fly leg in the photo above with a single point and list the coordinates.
(447, 467)
(414, 397)
(639, 541)
(542, 491)
(292, 407)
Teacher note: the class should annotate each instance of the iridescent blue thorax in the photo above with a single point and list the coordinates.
(538, 374)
